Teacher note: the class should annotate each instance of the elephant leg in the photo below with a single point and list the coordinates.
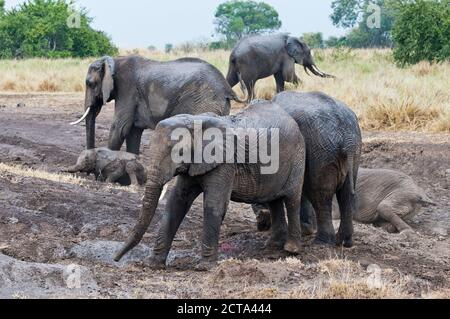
(134, 140)
(116, 139)
(347, 206)
(294, 243)
(325, 228)
(181, 197)
(307, 218)
(385, 211)
(279, 225)
(250, 84)
(217, 193)
(279, 79)
(113, 177)
(263, 217)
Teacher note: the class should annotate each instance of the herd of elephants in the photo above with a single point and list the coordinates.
(320, 147)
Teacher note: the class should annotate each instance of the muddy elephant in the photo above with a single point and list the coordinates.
(386, 197)
(147, 91)
(261, 56)
(239, 175)
(111, 166)
(333, 151)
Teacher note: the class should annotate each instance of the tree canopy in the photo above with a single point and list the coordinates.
(359, 15)
(236, 19)
(422, 32)
(50, 28)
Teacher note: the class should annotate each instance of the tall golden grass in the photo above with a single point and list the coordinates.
(384, 96)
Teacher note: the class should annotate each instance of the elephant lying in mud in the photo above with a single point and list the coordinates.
(236, 172)
(387, 197)
(147, 91)
(111, 166)
(261, 56)
(384, 197)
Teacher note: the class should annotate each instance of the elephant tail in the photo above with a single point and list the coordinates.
(234, 96)
(234, 77)
(352, 174)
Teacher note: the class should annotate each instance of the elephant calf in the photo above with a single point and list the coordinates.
(111, 166)
(235, 172)
(386, 196)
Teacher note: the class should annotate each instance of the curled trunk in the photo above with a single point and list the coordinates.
(150, 203)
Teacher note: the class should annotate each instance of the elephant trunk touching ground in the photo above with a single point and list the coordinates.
(149, 205)
(158, 176)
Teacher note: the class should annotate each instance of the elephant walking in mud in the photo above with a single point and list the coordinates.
(242, 177)
(261, 56)
(333, 151)
(147, 91)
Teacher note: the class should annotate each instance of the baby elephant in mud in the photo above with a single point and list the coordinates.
(111, 166)
(386, 197)
(225, 158)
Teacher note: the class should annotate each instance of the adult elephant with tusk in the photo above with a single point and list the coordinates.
(261, 56)
(147, 91)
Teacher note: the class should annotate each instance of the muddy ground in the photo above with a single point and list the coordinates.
(47, 222)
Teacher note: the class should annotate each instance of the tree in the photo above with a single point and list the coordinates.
(236, 19)
(2, 7)
(51, 28)
(168, 48)
(334, 42)
(359, 14)
(422, 32)
(314, 40)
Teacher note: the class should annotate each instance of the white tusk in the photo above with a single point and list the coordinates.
(164, 192)
(82, 118)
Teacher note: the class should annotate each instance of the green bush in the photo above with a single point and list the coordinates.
(422, 32)
(42, 28)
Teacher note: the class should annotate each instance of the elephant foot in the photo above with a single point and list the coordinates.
(276, 242)
(156, 263)
(344, 240)
(264, 220)
(325, 239)
(293, 246)
(307, 229)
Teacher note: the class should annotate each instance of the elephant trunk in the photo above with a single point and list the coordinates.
(150, 203)
(315, 70)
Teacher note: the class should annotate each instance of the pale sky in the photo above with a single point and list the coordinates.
(140, 23)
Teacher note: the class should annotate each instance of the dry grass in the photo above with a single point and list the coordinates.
(284, 279)
(25, 172)
(384, 96)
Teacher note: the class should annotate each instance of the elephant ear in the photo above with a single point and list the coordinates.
(108, 81)
(293, 47)
(210, 122)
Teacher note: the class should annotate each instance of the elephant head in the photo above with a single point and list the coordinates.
(163, 166)
(301, 53)
(99, 91)
(86, 163)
